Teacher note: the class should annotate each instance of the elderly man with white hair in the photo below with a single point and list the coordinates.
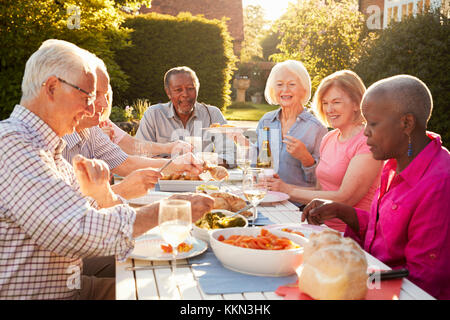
(53, 215)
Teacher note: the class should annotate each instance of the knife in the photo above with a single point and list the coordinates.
(389, 274)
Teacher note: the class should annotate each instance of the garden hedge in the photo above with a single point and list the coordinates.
(160, 42)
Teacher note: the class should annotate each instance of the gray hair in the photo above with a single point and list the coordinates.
(293, 66)
(408, 95)
(178, 70)
(54, 58)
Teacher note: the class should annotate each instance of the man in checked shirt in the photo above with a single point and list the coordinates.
(53, 215)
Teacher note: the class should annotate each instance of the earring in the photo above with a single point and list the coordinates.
(410, 152)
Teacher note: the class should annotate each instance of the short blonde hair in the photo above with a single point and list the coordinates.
(54, 58)
(295, 67)
(346, 80)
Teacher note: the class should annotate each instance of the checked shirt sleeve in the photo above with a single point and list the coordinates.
(42, 202)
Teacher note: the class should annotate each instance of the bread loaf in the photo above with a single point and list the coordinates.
(334, 268)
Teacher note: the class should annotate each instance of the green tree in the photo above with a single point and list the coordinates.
(324, 35)
(254, 24)
(92, 24)
(419, 47)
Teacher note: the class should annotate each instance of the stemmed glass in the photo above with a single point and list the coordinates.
(254, 186)
(243, 157)
(174, 225)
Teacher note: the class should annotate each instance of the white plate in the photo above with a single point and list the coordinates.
(148, 247)
(306, 229)
(182, 185)
(274, 196)
(271, 196)
(151, 197)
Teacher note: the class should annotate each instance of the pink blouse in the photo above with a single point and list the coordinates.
(412, 228)
(335, 157)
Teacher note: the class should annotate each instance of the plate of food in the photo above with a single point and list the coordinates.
(231, 202)
(152, 247)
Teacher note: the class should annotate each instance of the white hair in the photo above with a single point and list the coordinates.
(295, 67)
(55, 58)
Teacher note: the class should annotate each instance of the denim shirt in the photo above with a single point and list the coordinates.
(307, 129)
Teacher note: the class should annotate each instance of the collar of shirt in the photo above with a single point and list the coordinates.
(305, 115)
(50, 140)
(416, 169)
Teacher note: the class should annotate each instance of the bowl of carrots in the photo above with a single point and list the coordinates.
(258, 251)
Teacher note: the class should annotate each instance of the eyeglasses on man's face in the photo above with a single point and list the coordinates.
(91, 96)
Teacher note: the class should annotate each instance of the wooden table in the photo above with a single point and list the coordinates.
(150, 284)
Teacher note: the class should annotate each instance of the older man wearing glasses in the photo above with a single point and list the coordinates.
(53, 215)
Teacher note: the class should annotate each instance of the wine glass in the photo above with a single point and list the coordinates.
(243, 158)
(254, 186)
(174, 225)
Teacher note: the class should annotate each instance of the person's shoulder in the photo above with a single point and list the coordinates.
(270, 115)
(13, 128)
(157, 108)
(211, 108)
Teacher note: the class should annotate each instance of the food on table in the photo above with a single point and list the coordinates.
(206, 188)
(230, 202)
(334, 268)
(292, 231)
(218, 220)
(264, 241)
(217, 173)
(182, 247)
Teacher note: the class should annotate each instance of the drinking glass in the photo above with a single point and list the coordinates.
(254, 186)
(196, 142)
(243, 158)
(174, 225)
(141, 149)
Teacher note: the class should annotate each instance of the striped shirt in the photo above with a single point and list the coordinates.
(46, 225)
(93, 143)
(161, 123)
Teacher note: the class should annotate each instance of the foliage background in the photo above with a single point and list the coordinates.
(419, 47)
(25, 24)
(161, 42)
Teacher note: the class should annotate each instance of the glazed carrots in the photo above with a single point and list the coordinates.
(182, 247)
(264, 241)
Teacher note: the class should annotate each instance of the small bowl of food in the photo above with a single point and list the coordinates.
(258, 251)
(217, 219)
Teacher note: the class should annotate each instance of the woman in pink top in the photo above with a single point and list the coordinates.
(346, 171)
(408, 224)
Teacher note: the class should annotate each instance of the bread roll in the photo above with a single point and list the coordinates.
(334, 268)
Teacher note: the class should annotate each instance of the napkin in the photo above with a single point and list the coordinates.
(214, 278)
(388, 290)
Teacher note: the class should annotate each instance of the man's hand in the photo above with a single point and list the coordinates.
(200, 203)
(179, 147)
(185, 163)
(93, 178)
(137, 183)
